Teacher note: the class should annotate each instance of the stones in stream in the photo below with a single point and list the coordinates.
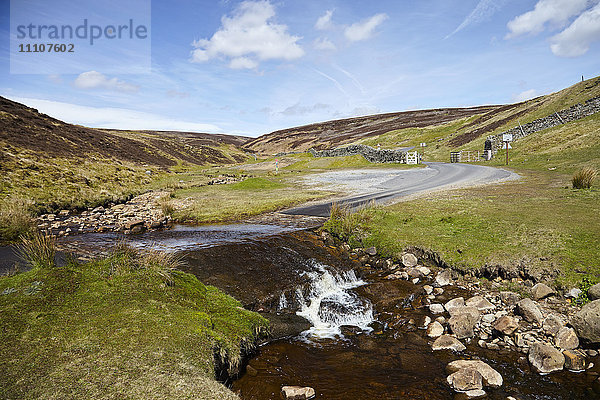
(297, 392)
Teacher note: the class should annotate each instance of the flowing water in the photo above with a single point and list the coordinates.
(339, 328)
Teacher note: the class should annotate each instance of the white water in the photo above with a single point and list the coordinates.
(330, 303)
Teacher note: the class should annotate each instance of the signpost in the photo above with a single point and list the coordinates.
(423, 145)
(507, 138)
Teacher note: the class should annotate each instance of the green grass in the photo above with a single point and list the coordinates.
(116, 328)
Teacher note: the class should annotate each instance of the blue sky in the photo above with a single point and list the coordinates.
(256, 66)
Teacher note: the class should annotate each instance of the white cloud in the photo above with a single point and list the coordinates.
(96, 80)
(576, 39)
(364, 29)
(113, 118)
(483, 11)
(324, 21)
(555, 12)
(525, 95)
(298, 109)
(324, 44)
(249, 36)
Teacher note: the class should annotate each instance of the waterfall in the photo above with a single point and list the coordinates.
(330, 303)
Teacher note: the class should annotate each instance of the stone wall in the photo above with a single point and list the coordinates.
(573, 113)
(369, 153)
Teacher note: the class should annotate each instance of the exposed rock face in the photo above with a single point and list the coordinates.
(566, 339)
(465, 379)
(541, 291)
(506, 325)
(587, 322)
(545, 358)
(447, 342)
(594, 292)
(491, 377)
(297, 393)
(530, 311)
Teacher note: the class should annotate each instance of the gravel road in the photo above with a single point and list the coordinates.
(388, 185)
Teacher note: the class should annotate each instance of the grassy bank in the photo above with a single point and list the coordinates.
(127, 326)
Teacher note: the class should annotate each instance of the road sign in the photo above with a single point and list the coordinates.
(423, 144)
(507, 137)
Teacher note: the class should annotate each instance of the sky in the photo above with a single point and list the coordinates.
(252, 67)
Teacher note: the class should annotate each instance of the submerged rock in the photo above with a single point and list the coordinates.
(297, 392)
(465, 379)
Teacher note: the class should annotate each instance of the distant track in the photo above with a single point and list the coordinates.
(436, 176)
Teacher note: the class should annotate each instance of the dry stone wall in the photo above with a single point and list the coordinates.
(573, 113)
(369, 153)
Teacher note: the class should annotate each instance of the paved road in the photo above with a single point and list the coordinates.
(401, 183)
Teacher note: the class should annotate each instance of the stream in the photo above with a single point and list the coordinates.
(338, 327)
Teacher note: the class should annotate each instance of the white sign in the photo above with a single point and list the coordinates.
(507, 137)
(423, 144)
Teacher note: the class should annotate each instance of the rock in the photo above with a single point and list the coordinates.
(414, 273)
(566, 339)
(471, 394)
(297, 392)
(575, 360)
(436, 308)
(510, 298)
(594, 292)
(454, 303)
(133, 223)
(587, 322)
(424, 270)
(545, 359)
(465, 379)
(428, 289)
(435, 329)
(552, 324)
(491, 377)
(573, 293)
(372, 251)
(463, 320)
(409, 260)
(530, 311)
(506, 325)
(250, 370)
(443, 278)
(480, 303)
(541, 291)
(447, 342)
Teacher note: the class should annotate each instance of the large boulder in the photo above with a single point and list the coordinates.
(463, 321)
(510, 298)
(552, 324)
(409, 260)
(545, 359)
(454, 303)
(491, 377)
(530, 311)
(575, 360)
(541, 291)
(506, 324)
(465, 379)
(480, 303)
(447, 342)
(566, 339)
(594, 292)
(587, 322)
(443, 278)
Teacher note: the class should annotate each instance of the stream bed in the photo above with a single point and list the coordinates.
(338, 327)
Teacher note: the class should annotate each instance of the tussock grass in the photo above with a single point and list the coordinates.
(16, 218)
(37, 249)
(347, 224)
(584, 178)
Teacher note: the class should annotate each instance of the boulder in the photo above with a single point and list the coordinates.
(566, 339)
(575, 360)
(414, 273)
(424, 270)
(510, 298)
(447, 342)
(471, 395)
(436, 308)
(552, 324)
(435, 329)
(587, 322)
(541, 291)
(465, 379)
(594, 292)
(530, 311)
(573, 293)
(480, 303)
(491, 377)
(409, 260)
(545, 359)
(443, 278)
(506, 325)
(463, 321)
(372, 251)
(454, 303)
(297, 392)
